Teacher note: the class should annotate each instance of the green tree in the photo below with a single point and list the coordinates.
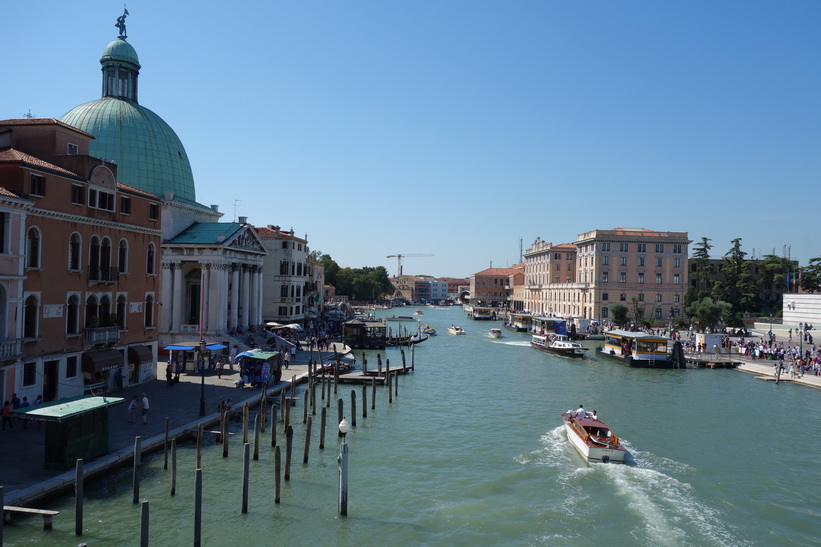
(331, 269)
(774, 271)
(811, 276)
(737, 287)
(637, 310)
(700, 279)
(366, 283)
(619, 312)
(708, 312)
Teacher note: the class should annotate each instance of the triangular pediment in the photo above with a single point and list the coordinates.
(246, 239)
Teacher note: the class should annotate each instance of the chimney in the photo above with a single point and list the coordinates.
(243, 220)
(215, 208)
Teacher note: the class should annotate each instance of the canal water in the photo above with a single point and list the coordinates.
(472, 452)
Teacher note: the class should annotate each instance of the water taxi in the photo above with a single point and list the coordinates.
(558, 344)
(548, 325)
(456, 329)
(495, 333)
(593, 439)
(479, 313)
(519, 322)
(635, 349)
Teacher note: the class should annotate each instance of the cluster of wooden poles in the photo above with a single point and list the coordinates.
(287, 399)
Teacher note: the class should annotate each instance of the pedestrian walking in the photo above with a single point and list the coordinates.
(144, 410)
(6, 416)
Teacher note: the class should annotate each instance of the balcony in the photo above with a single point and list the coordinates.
(10, 349)
(534, 287)
(105, 274)
(101, 335)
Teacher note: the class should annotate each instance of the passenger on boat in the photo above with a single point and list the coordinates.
(581, 413)
(594, 415)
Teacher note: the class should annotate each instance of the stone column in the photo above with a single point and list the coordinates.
(176, 300)
(233, 320)
(166, 293)
(222, 319)
(260, 290)
(245, 295)
(252, 295)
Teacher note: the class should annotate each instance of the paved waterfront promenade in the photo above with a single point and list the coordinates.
(22, 455)
(765, 369)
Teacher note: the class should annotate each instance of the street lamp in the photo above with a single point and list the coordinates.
(202, 374)
(343, 468)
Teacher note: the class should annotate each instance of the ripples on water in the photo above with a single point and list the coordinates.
(473, 452)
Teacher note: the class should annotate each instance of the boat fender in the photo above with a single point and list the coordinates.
(605, 459)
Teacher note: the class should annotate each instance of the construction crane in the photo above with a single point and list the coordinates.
(399, 258)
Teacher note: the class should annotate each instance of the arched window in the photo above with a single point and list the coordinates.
(92, 312)
(3, 312)
(33, 248)
(122, 257)
(105, 260)
(105, 311)
(30, 312)
(94, 259)
(121, 311)
(73, 314)
(75, 248)
(149, 311)
(150, 267)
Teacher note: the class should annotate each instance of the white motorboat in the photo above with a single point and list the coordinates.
(593, 439)
(558, 344)
(495, 333)
(456, 329)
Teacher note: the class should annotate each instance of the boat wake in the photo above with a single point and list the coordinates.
(642, 499)
(521, 343)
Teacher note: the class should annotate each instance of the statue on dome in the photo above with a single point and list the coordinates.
(121, 24)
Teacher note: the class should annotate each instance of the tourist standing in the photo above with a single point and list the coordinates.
(132, 410)
(145, 409)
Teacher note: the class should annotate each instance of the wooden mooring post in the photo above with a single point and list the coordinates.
(174, 467)
(307, 441)
(78, 498)
(322, 424)
(289, 443)
(135, 479)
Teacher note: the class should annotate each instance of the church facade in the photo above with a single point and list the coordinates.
(210, 271)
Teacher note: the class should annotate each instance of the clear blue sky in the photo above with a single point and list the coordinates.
(460, 127)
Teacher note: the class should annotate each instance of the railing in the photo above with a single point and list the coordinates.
(99, 335)
(108, 274)
(10, 349)
(190, 329)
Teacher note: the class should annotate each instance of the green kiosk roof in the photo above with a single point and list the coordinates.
(63, 409)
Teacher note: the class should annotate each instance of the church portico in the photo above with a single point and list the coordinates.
(214, 285)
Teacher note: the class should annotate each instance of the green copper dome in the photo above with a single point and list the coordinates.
(148, 153)
(120, 50)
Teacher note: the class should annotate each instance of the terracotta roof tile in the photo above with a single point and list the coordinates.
(10, 155)
(43, 121)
